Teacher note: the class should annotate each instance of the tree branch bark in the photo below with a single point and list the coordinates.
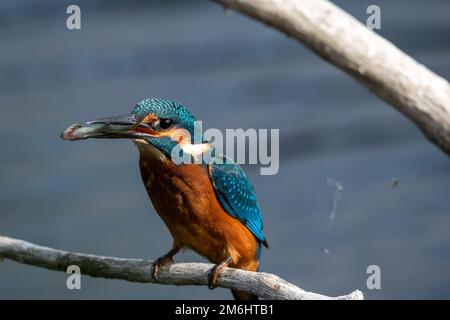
(264, 285)
(414, 90)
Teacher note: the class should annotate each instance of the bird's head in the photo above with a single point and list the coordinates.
(159, 122)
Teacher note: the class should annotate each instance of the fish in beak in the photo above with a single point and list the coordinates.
(122, 127)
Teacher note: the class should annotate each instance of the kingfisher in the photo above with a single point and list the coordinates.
(208, 206)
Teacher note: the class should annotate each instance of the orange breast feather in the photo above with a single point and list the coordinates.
(185, 199)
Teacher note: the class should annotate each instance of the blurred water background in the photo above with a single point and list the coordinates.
(232, 72)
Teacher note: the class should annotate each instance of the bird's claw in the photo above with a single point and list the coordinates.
(213, 275)
(155, 271)
(158, 265)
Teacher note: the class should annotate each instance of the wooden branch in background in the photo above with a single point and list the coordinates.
(413, 89)
(264, 285)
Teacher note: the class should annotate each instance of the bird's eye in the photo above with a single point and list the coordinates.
(165, 123)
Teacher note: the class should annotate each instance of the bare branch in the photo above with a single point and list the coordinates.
(264, 285)
(414, 90)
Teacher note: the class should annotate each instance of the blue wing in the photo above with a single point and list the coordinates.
(236, 195)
